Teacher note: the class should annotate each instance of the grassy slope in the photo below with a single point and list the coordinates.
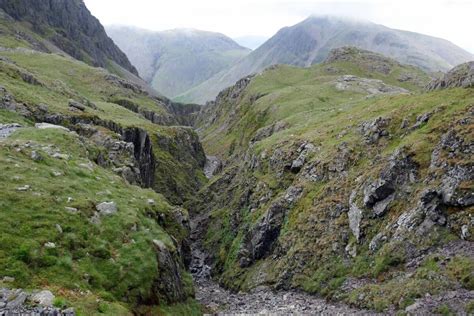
(316, 112)
(303, 98)
(63, 78)
(105, 268)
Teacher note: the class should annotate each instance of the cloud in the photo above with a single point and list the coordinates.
(449, 19)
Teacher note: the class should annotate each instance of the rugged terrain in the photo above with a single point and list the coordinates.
(348, 180)
(309, 42)
(175, 61)
(344, 187)
(94, 168)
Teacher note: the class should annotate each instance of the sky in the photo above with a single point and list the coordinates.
(448, 19)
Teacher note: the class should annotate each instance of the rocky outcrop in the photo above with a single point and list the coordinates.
(143, 154)
(401, 169)
(260, 240)
(372, 87)
(26, 303)
(71, 27)
(168, 286)
(460, 76)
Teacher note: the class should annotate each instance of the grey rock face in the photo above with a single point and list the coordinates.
(460, 76)
(355, 216)
(143, 153)
(378, 191)
(71, 27)
(428, 212)
(21, 302)
(261, 239)
(401, 169)
(374, 130)
(454, 146)
(7, 129)
(168, 284)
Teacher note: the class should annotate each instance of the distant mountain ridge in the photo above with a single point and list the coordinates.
(70, 26)
(175, 61)
(310, 41)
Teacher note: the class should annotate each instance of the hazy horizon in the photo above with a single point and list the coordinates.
(263, 18)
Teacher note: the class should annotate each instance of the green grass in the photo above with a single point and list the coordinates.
(312, 241)
(108, 258)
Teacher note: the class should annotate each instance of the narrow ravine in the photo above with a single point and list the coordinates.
(262, 300)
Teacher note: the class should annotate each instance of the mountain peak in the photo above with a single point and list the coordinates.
(70, 26)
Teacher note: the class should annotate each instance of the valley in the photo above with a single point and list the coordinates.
(337, 184)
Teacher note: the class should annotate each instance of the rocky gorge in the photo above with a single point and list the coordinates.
(343, 188)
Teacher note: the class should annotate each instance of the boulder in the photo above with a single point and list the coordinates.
(355, 216)
(76, 105)
(43, 298)
(106, 208)
(50, 126)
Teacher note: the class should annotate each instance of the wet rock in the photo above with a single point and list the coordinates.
(143, 152)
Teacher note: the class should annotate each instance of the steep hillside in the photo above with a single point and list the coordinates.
(70, 27)
(310, 41)
(177, 60)
(344, 179)
(92, 167)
